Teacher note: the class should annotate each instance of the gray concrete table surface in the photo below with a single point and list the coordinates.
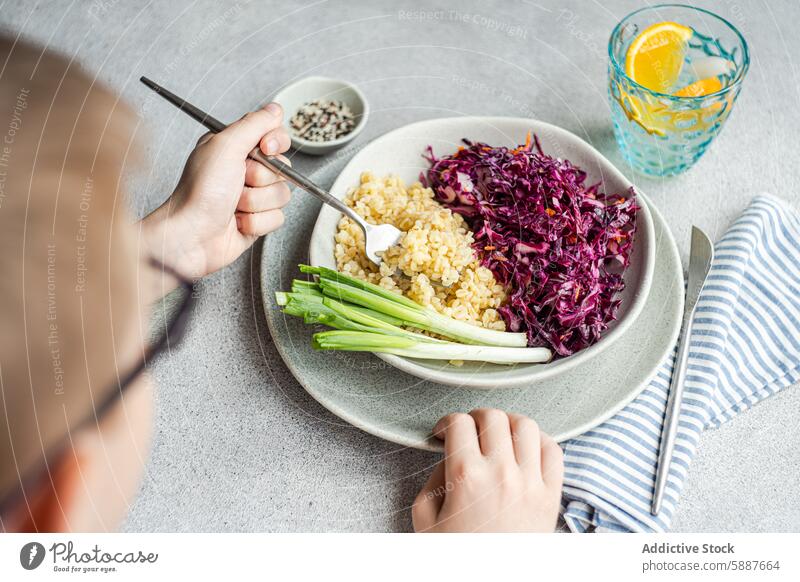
(238, 444)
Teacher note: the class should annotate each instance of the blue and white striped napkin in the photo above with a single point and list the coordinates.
(745, 346)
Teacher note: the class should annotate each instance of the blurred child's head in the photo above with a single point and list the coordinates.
(71, 318)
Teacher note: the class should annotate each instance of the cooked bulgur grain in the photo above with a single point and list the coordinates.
(436, 247)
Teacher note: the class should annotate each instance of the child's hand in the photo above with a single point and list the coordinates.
(499, 474)
(224, 201)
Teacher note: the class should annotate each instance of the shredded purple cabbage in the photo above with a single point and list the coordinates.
(558, 246)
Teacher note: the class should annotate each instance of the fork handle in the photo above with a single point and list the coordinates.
(282, 169)
(304, 183)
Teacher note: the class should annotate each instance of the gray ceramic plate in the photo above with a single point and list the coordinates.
(399, 152)
(376, 397)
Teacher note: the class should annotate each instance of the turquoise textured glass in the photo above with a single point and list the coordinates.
(663, 134)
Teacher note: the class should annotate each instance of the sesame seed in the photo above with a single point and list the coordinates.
(321, 120)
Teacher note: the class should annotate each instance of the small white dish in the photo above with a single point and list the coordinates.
(294, 96)
(400, 152)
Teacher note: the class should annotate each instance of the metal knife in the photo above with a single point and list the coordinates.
(700, 257)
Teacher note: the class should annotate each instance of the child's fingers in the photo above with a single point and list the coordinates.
(275, 142)
(257, 174)
(259, 223)
(243, 135)
(459, 435)
(526, 438)
(425, 511)
(494, 432)
(552, 462)
(267, 198)
(204, 138)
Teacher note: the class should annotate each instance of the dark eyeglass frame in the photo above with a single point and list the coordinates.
(174, 330)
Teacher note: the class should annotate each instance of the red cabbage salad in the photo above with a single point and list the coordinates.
(556, 244)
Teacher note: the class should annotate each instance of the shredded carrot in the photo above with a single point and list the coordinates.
(524, 148)
(550, 211)
(489, 247)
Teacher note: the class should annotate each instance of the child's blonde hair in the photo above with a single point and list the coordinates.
(67, 252)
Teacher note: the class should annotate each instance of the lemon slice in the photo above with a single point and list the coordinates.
(655, 57)
(700, 88)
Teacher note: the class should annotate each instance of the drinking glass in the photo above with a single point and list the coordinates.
(663, 134)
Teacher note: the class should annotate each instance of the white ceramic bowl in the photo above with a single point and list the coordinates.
(293, 96)
(400, 152)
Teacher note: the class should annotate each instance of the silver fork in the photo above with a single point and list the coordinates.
(377, 237)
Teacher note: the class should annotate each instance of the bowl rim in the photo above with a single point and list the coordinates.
(536, 373)
(362, 120)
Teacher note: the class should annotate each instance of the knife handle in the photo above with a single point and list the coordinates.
(674, 401)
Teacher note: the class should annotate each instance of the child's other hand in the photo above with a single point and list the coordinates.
(224, 201)
(500, 474)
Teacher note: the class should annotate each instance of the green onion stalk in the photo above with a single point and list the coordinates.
(360, 341)
(366, 317)
(408, 313)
